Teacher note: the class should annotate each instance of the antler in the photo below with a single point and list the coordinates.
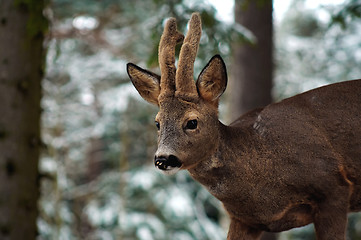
(184, 76)
(180, 80)
(166, 55)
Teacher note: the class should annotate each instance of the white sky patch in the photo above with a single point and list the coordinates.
(225, 9)
(85, 22)
(280, 8)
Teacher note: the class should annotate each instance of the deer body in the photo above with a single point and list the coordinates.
(273, 166)
(287, 165)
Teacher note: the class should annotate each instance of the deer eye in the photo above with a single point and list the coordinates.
(191, 124)
(157, 125)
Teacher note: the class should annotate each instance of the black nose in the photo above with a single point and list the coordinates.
(164, 162)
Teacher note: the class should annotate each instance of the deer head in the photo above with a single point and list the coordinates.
(188, 110)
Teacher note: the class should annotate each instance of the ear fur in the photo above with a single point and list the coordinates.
(212, 81)
(146, 82)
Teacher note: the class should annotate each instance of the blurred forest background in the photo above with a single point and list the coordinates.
(98, 179)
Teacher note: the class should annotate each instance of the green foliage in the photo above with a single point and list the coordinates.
(302, 23)
(305, 233)
(311, 53)
(343, 15)
(354, 226)
(141, 25)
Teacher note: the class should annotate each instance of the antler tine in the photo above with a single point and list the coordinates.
(166, 54)
(187, 56)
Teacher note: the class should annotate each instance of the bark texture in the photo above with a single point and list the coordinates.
(251, 81)
(22, 27)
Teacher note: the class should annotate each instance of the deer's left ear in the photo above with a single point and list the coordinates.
(212, 81)
(146, 82)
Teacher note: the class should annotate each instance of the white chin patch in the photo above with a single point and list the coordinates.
(170, 170)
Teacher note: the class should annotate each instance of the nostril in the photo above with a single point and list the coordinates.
(163, 162)
(174, 161)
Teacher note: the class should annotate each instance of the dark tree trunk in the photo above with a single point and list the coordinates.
(252, 68)
(22, 27)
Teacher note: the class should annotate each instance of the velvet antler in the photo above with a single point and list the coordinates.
(166, 56)
(184, 77)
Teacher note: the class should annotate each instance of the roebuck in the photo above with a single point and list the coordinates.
(284, 166)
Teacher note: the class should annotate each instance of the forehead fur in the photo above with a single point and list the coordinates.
(175, 108)
(177, 103)
(180, 96)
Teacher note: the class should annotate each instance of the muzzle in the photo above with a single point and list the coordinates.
(169, 165)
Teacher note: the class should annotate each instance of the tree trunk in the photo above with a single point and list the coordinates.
(22, 27)
(251, 81)
(252, 69)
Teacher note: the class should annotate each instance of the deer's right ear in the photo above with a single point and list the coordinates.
(146, 82)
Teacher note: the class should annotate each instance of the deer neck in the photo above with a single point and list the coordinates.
(221, 167)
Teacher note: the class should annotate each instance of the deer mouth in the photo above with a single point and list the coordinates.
(169, 165)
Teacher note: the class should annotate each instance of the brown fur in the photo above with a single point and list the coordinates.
(284, 166)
